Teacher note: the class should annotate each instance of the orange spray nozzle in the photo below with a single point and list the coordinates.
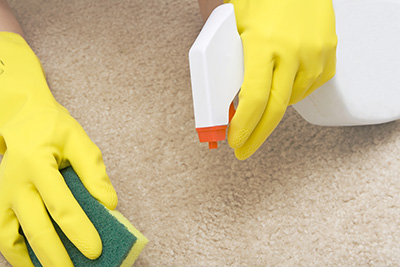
(214, 134)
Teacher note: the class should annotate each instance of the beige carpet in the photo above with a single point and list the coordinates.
(311, 196)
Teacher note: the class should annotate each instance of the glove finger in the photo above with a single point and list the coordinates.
(317, 67)
(12, 244)
(68, 214)
(86, 159)
(281, 90)
(39, 230)
(253, 96)
(329, 70)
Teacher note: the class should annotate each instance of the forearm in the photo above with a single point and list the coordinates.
(8, 22)
(207, 6)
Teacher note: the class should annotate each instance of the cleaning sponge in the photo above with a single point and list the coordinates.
(122, 242)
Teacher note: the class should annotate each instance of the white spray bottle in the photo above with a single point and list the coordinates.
(216, 70)
(365, 89)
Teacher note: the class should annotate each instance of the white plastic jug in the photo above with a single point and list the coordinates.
(366, 87)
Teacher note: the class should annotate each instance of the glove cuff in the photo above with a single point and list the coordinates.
(22, 79)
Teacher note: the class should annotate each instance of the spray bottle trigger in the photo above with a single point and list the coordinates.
(231, 111)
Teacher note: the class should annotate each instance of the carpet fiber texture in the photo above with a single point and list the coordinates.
(311, 196)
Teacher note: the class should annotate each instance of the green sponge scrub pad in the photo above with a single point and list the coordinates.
(122, 243)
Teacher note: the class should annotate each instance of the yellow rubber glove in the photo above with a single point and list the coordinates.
(289, 49)
(37, 138)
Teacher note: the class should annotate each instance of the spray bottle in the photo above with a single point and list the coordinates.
(364, 91)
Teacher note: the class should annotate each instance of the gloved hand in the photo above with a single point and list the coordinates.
(289, 49)
(37, 138)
